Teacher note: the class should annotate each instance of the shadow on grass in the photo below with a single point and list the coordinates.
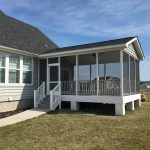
(87, 108)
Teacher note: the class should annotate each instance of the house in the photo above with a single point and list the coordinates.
(34, 67)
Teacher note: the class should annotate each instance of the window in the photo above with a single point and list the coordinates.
(27, 70)
(14, 69)
(2, 69)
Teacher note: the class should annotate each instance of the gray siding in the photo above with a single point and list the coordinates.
(20, 92)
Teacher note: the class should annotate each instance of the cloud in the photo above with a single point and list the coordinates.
(86, 18)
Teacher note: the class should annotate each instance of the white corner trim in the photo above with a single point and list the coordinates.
(131, 41)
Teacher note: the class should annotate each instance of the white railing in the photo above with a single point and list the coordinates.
(39, 95)
(86, 87)
(55, 97)
(68, 87)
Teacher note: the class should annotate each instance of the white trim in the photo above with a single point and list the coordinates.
(7, 70)
(48, 74)
(135, 73)
(121, 73)
(17, 51)
(97, 72)
(92, 99)
(73, 52)
(47, 79)
(130, 98)
(20, 74)
(138, 45)
(21, 70)
(77, 68)
(129, 77)
(55, 64)
(131, 41)
(59, 75)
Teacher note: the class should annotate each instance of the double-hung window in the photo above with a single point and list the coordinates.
(27, 70)
(14, 69)
(2, 69)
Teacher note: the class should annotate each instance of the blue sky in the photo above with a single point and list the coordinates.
(71, 22)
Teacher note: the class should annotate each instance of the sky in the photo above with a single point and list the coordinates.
(72, 22)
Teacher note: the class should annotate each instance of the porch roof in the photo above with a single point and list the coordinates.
(122, 42)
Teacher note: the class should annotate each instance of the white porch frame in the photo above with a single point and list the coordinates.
(120, 101)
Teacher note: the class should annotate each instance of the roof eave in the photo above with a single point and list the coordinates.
(118, 46)
(138, 47)
(14, 50)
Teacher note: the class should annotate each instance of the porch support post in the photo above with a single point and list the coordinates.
(47, 84)
(121, 73)
(74, 106)
(120, 109)
(77, 68)
(97, 73)
(137, 103)
(105, 71)
(135, 73)
(129, 77)
(130, 106)
(59, 70)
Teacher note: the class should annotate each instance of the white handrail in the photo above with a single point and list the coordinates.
(39, 94)
(55, 97)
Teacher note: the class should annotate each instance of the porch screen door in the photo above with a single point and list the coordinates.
(53, 77)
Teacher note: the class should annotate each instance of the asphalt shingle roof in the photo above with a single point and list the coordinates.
(22, 36)
(91, 45)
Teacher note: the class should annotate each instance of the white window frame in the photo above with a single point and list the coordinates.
(28, 70)
(7, 55)
(3, 68)
(17, 69)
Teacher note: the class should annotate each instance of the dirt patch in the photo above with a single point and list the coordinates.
(10, 113)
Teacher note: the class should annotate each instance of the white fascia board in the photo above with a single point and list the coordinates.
(113, 47)
(128, 43)
(17, 51)
(136, 42)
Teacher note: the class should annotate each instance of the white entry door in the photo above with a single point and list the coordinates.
(53, 77)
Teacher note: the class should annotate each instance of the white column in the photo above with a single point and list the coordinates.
(74, 106)
(135, 74)
(120, 109)
(97, 73)
(47, 84)
(121, 73)
(59, 70)
(7, 69)
(129, 77)
(21, 69)
(77, 65)
(105, 71)
(130, 106)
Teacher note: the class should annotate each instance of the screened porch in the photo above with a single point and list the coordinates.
(112, 73)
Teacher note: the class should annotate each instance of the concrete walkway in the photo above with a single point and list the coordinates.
(28, 114)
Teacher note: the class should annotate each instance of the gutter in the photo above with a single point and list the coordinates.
(8, 49)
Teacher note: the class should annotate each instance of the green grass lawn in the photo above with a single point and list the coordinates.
(80, 131)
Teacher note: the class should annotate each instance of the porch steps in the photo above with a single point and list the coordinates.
(45, 104)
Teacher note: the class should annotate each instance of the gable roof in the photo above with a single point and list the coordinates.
(91, 45)
(122, 42)
(19, 35)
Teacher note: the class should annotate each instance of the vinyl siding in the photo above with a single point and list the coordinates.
(131, 50)
(20, 92)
